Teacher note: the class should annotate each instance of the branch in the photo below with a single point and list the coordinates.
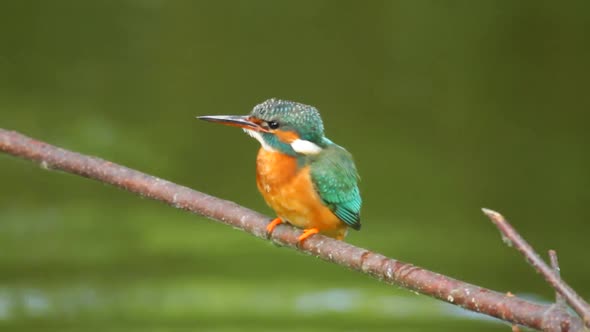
(559, 300)
(508, 308)
(512, 238)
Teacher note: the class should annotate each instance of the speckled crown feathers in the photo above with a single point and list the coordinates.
(304, 119)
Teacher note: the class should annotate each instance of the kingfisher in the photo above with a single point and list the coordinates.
(308, 180)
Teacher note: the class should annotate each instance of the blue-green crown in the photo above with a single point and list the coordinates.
(303, 119)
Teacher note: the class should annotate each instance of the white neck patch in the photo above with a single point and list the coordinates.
(259, 138)
(305, 147)
(299, 145)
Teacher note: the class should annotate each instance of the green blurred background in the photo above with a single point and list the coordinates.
(447, 107)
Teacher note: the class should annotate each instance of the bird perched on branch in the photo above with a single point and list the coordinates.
(308, 180)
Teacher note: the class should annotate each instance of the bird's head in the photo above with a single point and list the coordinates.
(284, 126)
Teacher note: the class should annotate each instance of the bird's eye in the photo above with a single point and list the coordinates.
(273, 124)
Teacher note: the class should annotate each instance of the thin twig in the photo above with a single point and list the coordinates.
(511, 309)
(559, 300)
(512, 238)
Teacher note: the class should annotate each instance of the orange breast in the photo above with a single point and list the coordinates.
(288, 190)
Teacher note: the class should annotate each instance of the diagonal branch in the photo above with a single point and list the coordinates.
(508, 308)
(512, 238)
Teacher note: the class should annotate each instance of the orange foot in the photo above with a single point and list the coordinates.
(307, 233)
(271, 227)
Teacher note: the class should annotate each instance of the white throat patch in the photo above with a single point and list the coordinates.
(305, 147)
(259, 138)
(299, 145)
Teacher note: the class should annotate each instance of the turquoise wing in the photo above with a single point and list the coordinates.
(335, 178)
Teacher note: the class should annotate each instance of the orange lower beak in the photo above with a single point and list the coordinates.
(241, 121)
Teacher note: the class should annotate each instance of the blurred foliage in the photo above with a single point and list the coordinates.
(446, 106)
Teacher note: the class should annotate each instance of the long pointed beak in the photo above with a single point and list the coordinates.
(241, 121)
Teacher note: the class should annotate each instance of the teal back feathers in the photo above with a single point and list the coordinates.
(335, 178)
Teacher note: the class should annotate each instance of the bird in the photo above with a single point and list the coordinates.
(309, 181)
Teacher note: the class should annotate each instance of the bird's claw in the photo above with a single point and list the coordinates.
(271, 226)
(307, 233)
